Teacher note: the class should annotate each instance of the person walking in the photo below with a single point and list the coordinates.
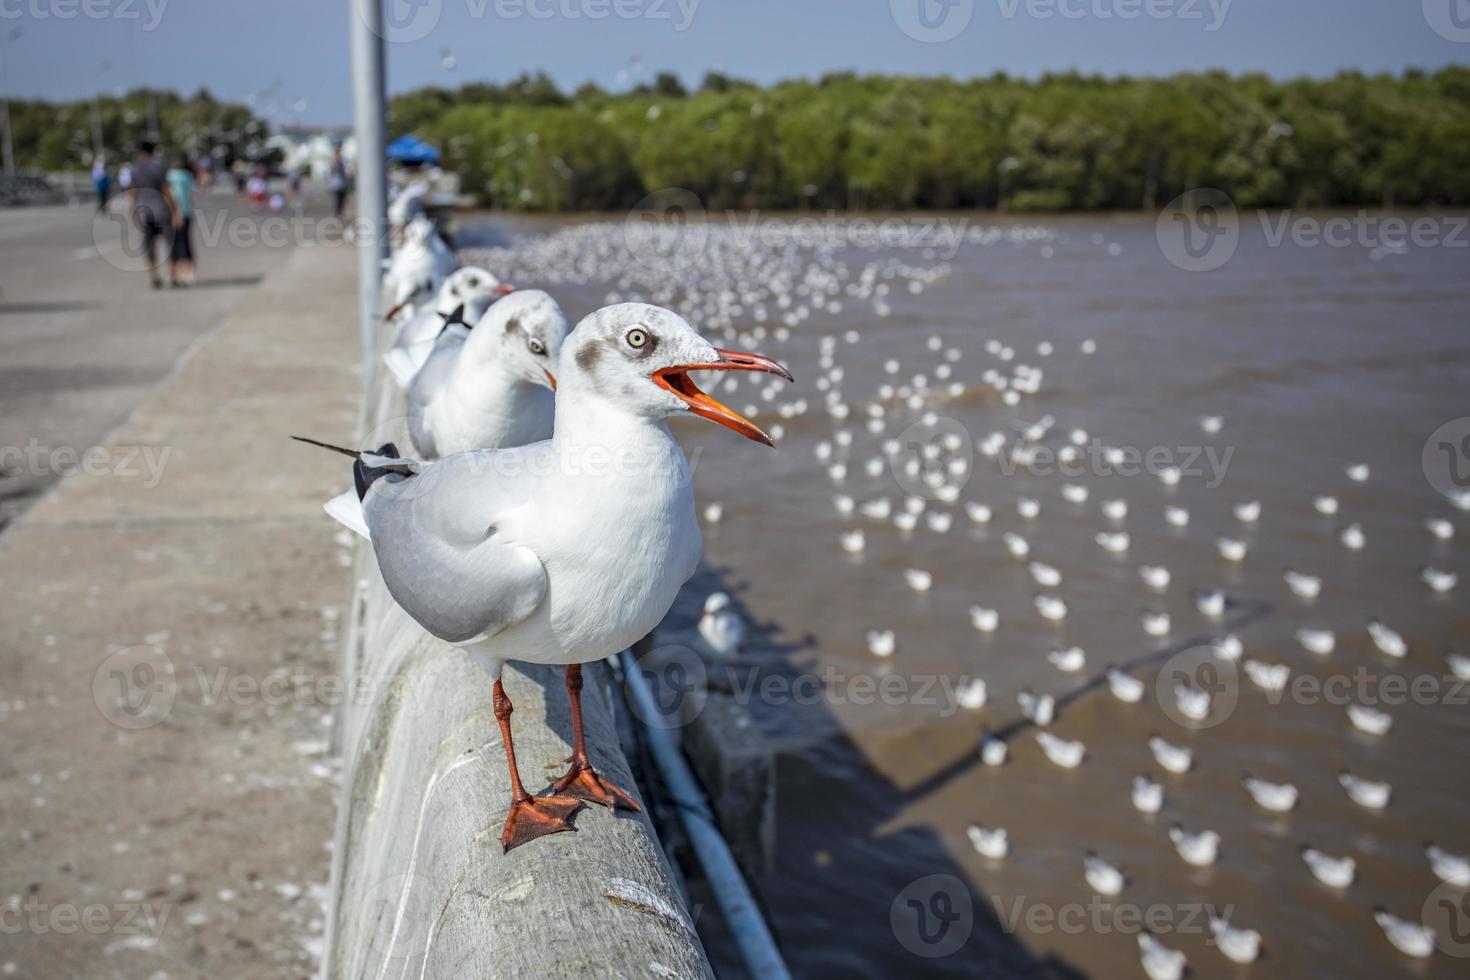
(337, 181)
(101, 182)
(181, 185)
(152, 206)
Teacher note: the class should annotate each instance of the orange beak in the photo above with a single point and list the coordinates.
(504, 289)
(550, 377)
(676, 380)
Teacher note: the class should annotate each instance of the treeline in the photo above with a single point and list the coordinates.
(1061, 142)
(53, 136)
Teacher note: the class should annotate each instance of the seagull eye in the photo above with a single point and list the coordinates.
(637, 338)
(537, 347)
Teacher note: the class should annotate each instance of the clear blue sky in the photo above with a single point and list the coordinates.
(298, 49)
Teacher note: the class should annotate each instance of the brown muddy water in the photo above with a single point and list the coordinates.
(1316, 357)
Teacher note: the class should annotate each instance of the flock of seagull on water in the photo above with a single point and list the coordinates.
(478, 361)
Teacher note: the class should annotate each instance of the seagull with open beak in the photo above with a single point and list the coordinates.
(564, 551)
(492, 385)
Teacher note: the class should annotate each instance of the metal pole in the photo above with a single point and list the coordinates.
(371, 191)
(9, 151)
(757, 946)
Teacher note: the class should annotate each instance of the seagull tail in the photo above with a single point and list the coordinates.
(346, 510)
(327, 445)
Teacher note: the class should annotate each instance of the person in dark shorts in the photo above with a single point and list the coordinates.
(152, 206)
(337, 180)
(181, 185)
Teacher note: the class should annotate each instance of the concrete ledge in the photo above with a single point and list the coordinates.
(420, 885)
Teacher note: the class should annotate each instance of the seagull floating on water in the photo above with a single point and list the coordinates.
(993, 751)
(991, 842)
(1367, 793)
(1159, 961)
(1276, 797)
(1438, 581)
(1454, 868)
(1104, 878)
(881, 643)
(1040, 709)
(1063, 752)
(1068, 661)
(1148, 796)
(1241, 946)
(1335, 872)
(1410, 938)
(1388, 640)
(1199, 849)
(1271, 678)
(520, 554)
(1304, 586)
(1318, 641)
(1175, 758)
(720, 626)
(1125, 687)
(1369, 720)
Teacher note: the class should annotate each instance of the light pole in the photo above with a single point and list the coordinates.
(97, 109)
(8, 147)
(369, 121)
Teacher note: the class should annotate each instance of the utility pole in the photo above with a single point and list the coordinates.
(6, 145)
(365, 21)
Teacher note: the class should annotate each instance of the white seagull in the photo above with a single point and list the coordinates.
(993, 751)
(1454, 868)
(492, 386)
(1199, 849)
(1276, 797)
(1437, 580)
(1104, 878)
(1175, 758)
(983, 619)
(1388, 640)
(1040, 709)
(1270, 678)
(1051, 607)
(1319, 641)
(1125, 687)
(1369, 720)
(1176, 516)
(1045, 575)
(881, 643)
(1159, 961)
(1156, 577)
(1148, 796)
(1068, 661)
(1367, 793)
(720, 626)
(991, 842)
(1210, 602)
(462, 299)
(1063, 752)
(1325, 505)
(1304, 586)
(528, 554)
(1410, 938)
(918, 579)
(1353, 538)
(1237, 945)
(1335, 872)
(972, 694)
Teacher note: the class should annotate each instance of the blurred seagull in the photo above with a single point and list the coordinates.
(1276, 797)
(1063, 752)
(1304, 586)
(1159, 961)
(1241, 946)
(1125, 687)
(1335, 872)
(1039, 709)
(1104, 878)
(720, 626)
(1199, 849)
(1148, 796)
(990, 842)
(1175, 758)
(1387, 640)
(1368, 794)
(1410, 938)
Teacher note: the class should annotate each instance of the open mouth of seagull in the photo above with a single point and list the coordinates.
(677, 380)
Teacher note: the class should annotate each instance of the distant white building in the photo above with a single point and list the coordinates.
(310, 148)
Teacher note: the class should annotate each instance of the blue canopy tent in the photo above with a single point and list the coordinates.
(412, 150)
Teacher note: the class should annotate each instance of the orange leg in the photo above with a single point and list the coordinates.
(581, 780)
(530, 816)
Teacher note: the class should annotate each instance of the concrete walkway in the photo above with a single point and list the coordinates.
(167, 648)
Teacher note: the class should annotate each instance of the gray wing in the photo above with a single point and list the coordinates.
(442, 555)
(427, 385)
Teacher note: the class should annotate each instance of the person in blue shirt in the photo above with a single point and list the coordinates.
(181, 253)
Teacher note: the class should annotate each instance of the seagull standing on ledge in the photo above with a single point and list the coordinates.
(564, 551)
(490, 386)
(462, 300)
